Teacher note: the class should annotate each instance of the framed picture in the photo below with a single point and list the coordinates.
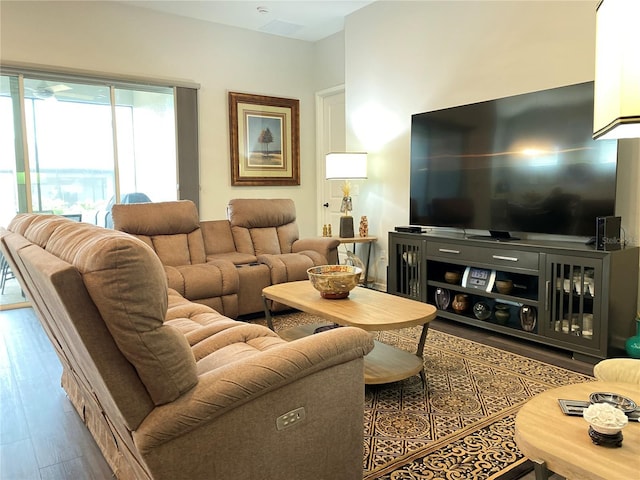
(265, 140)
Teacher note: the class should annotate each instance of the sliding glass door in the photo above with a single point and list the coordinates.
(70, 147)
(75, 148)
(146, 135)
(87, 146)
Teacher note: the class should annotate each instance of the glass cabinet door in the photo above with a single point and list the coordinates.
(407, 276)
(574, 290)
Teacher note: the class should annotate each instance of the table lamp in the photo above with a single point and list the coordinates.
(346, 166)
(617, 79)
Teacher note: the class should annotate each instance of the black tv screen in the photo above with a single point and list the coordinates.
(525, 163)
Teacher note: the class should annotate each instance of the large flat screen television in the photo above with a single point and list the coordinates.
(525, 163)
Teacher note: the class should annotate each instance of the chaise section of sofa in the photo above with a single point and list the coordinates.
(174, 389)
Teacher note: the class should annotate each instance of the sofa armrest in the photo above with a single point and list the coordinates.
(327, 246)
(226, 388)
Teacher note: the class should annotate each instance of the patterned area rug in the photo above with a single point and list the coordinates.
(461, 425)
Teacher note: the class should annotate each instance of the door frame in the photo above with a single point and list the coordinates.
(321, 132)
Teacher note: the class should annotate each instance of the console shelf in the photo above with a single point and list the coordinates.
(564, 294)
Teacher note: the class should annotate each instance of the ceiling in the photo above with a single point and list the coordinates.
(302, 20)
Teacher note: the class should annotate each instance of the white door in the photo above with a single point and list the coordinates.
(331, 137)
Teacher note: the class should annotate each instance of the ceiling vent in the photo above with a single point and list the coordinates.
(278, 27)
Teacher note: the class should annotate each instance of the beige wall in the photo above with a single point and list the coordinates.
(410, 57)
(126, 40)
(396, 58)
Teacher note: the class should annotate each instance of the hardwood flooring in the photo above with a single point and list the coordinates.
(41, 435)
(43, 438)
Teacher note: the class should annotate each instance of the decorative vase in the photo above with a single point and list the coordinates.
(460, 302)
(504, 286)
(632, 345)
(502, 313)
(443, 296)
(364, 226)
(528, 318)
(481, 310)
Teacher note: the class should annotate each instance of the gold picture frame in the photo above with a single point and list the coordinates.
(265, 140)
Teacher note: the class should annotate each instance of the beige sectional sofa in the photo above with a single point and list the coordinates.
(172, 389)
(225, 264)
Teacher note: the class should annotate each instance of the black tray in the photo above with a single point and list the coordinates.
(577, 407)
(573, 407)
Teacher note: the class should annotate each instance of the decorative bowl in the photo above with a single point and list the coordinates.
(622, 403)
(504, 286)
(605, 418)
(334, 281)
(452, 277)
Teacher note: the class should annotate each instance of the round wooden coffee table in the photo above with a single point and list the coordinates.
(561, 443)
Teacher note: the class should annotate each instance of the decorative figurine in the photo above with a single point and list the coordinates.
(364, 226)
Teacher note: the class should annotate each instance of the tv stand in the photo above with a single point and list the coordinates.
(565, 294)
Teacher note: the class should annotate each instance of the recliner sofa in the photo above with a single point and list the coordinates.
(172, 389)
(225, 264)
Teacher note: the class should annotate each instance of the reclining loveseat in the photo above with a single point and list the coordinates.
(172, 389)
(225, 264)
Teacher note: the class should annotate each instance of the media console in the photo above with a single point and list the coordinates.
(564, 294)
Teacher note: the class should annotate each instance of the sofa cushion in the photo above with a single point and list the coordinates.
(261, 212)
(217, 236)
(171, 229)
(216, 278)
(126, 281)
(179, 249)
(263, 226)
(159, 218)
(236, 258)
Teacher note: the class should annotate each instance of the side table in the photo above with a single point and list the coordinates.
(560, 443)
(356, 240)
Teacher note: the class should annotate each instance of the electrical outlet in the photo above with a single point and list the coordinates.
(286, 420)
(383, 256)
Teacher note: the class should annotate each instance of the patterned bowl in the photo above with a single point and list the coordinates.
(334, 281)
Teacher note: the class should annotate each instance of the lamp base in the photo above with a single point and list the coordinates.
(346, 227)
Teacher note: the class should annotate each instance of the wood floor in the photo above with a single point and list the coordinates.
(41, 435)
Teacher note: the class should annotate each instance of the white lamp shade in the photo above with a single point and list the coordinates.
(617, 80)
(346, 165)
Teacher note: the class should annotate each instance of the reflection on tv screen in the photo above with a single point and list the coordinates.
(525, 163)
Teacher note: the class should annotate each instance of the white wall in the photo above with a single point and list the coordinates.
(411, 57)
(329, 62)
(121, 39)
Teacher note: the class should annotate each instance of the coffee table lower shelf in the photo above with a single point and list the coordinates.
(384, 364)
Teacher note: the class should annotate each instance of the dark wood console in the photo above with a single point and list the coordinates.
(564, 294)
